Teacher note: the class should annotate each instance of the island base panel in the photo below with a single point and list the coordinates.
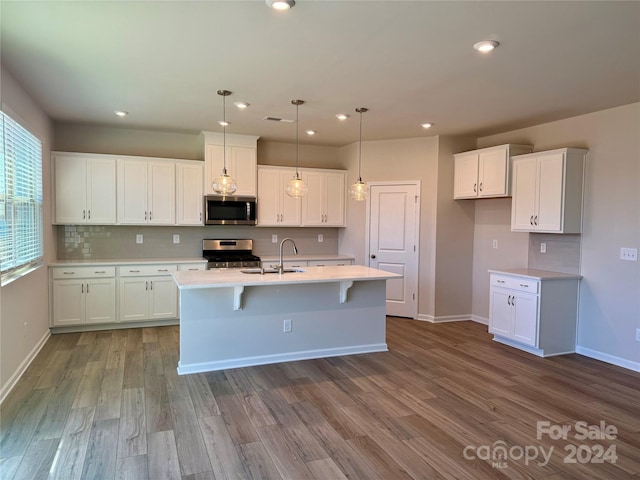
(214, 336)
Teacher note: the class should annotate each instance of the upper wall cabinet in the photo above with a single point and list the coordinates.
(485, 173)
(547, 191)
(241, 160)
(85, 189)
(189, 198)
(324, 204)
(275, 207)
(146, 192)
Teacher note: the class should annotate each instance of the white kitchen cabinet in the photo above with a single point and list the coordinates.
(534, 310)
(547, 191)
(275, 207)
(83, 295)
(85, 189)
(189, 194)
(324, 204)
(241, 161)
(485, 173)
(146, 192)
(329, 263)
(147, 292)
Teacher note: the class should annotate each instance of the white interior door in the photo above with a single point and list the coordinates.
(393, 242)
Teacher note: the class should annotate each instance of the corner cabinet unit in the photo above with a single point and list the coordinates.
(547, 191)
(84, 189)
(275, 207)
(83, 295)
(146, 192)
(241, 159)
(485, 173)
(534, 310)
(324, 204)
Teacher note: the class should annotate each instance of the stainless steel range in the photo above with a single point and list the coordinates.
(229, 253)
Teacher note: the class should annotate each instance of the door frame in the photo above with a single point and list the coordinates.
(418, 185)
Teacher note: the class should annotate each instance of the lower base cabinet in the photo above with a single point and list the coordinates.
(147, 293)
(535, 312)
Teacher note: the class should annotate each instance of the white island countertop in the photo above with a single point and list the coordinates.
(220, 278)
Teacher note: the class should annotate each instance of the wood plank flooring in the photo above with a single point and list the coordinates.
(444, 402)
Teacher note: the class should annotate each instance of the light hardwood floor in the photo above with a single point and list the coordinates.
(106, 405)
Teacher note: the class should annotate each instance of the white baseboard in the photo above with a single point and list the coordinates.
(283, 357)
(7, 387)
(612, 359)
(479, 319)
(444, 318)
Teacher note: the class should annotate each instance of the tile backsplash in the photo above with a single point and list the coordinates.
(104, 242)
(562, 255)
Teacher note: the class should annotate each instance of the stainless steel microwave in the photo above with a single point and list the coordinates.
(229, 210)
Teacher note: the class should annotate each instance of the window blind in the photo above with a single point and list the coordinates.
(20, 200)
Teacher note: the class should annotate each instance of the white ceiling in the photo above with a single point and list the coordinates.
(407, 61)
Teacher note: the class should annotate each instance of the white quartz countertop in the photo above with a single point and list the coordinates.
(305, 258)
(535, 274)
(218, 278)
(124, 261)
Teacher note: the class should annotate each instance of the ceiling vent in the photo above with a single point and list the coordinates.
(276, 119)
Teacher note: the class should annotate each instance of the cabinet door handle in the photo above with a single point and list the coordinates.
(87, 288)
(509, 300)
(480, 186)
(146, 285)
(151, 285)
(531, 220)
(535, 220)
(474, 188)
(89, 215)
(200, 216)
(149, 215)
(84, 213)
(82, 288)
(145, 216)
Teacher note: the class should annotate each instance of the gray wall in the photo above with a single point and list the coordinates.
(609, 308)
(24, 309)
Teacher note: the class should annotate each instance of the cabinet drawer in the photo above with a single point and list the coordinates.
(82, 272)
(146, 270)
(329, 263)
(515, 283)
(186, 267)
(285, 264)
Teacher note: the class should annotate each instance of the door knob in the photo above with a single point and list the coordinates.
(373, 256)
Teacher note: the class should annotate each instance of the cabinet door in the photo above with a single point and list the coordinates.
(132, 192)
(313, 203)
(290, 207)
(70, 189)
(525, 320)
(550, 192)
(269, 197)
(523, 202)
(500, 312)
(134, 298)
(335, 196)
(466, 175)
(68, 302)
(162, 193)
(163, 298)
(101, 191)
(189, 197)
(100, 300)
(243, 168)
(492, 173)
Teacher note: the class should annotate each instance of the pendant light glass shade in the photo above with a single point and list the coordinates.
(224, 184)
(359, 190)
(296, 188)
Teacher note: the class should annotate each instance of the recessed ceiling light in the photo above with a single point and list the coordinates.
(121, 113)
(281, 4)
(342, 116)
(310, 132)
(241, 105)
(486, 46)
(222, 123)
(426, 125)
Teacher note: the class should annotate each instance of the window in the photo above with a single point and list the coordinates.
(20, 200)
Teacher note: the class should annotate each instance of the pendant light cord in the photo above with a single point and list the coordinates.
(360, 151)
(297, 132)
(224, 134)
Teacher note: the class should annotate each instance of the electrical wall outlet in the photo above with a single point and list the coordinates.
(543, 248)
(495, 244)
(637, 334)
(139, 238)
(320, 238)
(176, 238)
(630, 254)
(274, 238)
(286, 326)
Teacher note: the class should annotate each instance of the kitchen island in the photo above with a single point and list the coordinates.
(230, 319)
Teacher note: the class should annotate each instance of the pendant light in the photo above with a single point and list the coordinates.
(359, 190)
(296, 187)
(224, 184)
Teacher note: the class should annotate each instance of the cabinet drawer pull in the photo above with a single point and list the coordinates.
(500, 281)
(68, 273)
(193, 269)
(101, 271)
(134, 271)
(163, 270)
(524, 285)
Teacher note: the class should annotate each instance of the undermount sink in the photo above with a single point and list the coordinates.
(262, 271)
